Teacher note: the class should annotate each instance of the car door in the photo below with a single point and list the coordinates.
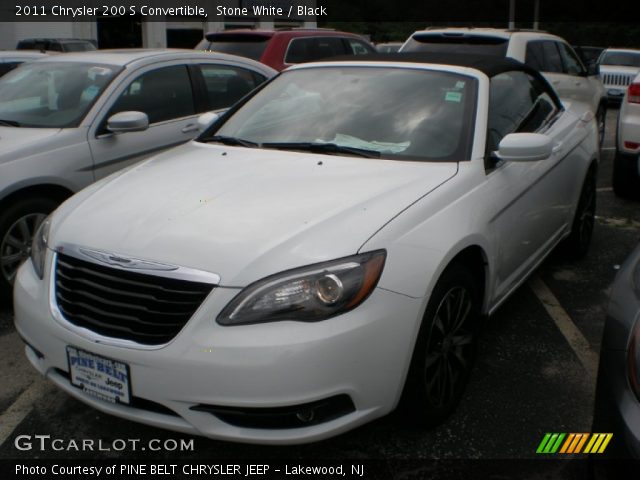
(578, 85)
(165, 93)
(531, 199)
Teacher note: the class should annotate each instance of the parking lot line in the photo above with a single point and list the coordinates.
(587, 356)
(19, 409)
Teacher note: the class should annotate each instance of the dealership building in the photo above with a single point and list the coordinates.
(135, 31)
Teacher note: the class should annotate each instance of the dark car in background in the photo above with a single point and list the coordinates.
(281, 48)
(56, 44)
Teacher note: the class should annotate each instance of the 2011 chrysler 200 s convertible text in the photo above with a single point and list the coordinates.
(322, 252)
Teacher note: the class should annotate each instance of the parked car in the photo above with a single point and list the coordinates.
(618, 68)
(56, 44)
(626, 164)
(11, 59)
(544, 52)
(390, 47)
(617, 404)
(320, 251)
(281, 48)
(68, 121)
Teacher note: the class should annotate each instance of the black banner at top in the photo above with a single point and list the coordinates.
(428, 11)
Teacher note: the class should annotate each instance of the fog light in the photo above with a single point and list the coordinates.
(305, 416)
(329, 289)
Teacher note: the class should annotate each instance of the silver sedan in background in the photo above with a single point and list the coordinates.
(71, 119)
(617, 406)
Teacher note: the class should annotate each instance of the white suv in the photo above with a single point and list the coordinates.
(549, 54)
(626, 166)
(618, 68)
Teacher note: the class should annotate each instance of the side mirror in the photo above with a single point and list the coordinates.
(124, 122)
(525, 147)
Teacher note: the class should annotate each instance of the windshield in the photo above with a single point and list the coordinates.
(453, 43)
(78, 47)
(52, 95)
(249, 46)
(397, 113)
(622, 59)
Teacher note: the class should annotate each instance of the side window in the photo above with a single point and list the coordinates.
(517, 103)
(542, 109)
(225, 85)
(310, 49)
(163, 94)
(572, 64)
(357, 47)
(534, 57)
(552, 59)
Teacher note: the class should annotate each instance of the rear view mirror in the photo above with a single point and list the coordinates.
(124, 122)
(525, 147)
(207, 119)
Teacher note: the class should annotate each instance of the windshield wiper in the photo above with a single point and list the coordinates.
(229, 141)
(9, 123)
(322, 148)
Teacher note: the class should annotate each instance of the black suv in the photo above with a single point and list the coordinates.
(56, 44)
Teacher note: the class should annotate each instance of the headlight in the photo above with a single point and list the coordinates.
(39, 247)
(307, 294)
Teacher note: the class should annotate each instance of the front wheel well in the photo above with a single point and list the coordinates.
(49, 191)
(474, 259)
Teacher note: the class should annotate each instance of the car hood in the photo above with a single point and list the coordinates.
(244, 213)
(21, 142)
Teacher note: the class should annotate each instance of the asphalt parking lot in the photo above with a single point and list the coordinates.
(529, 378)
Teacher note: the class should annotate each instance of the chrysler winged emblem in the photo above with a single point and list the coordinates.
(121, 261)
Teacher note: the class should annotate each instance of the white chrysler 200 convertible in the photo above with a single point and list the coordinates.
(321, 254)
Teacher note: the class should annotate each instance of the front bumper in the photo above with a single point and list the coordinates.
(363, 354)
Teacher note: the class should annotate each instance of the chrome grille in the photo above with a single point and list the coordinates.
(617, 79)
(122, 304)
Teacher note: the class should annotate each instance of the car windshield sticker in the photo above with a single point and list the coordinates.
(453, 97)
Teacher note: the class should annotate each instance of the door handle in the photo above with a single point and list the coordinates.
(557, 148)
(192, 127)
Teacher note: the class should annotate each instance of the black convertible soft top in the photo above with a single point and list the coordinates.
(490, 65)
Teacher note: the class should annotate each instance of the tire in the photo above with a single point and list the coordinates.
(577, 244)
(440, 366)
(626, 181)
(601, 119)
(18, 224)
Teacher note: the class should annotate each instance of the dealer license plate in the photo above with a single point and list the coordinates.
(99, 376)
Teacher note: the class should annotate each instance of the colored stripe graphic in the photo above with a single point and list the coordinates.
(573, 443)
